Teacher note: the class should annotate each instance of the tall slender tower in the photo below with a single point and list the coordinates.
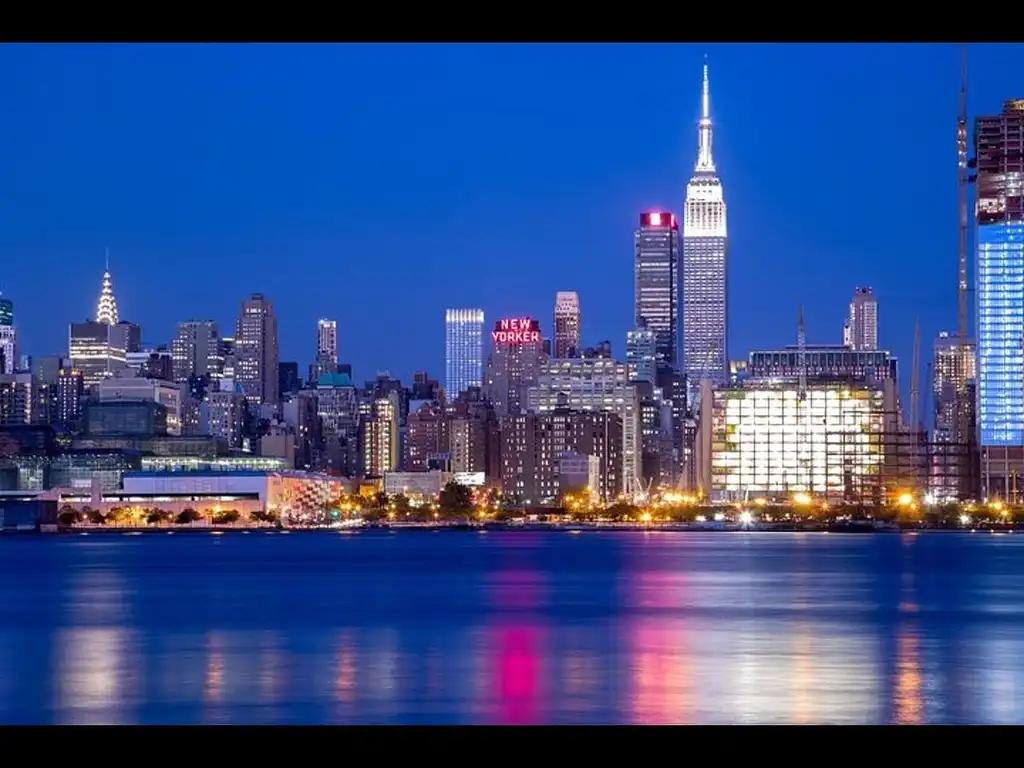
(567, 325)
(705, 328)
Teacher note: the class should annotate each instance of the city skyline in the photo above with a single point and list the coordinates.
(655, 189)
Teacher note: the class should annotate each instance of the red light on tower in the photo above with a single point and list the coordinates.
(659, 219)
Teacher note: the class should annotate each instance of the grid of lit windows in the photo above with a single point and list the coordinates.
(771, 441)
(1001, 334)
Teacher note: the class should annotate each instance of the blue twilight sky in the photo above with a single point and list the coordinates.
(379, 184)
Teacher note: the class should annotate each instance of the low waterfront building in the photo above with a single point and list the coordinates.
(425, 484)
(770, 438)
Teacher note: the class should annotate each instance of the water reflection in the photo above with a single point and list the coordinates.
(213, 680)
(614, 629)
(95, 671)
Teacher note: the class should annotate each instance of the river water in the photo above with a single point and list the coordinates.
(427, 627)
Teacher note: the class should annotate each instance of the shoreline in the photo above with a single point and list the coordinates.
(508, 527)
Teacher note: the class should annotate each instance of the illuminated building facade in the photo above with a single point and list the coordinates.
(999, 150)
(195, 350)
(380, 437)
(567, 325)
(861, 329)
(327, 341)
(136, 388)
(8, 338)
(326, 349)
(70, 391)
(595, 384)
(641, 354)
(256, 351)
(515, 362)
(656, 282)
(463, 350)
(704, 291)
(540, 450)
(225, 417)
(948, 372)
(99, 348)
(826, 361)
(765, 439)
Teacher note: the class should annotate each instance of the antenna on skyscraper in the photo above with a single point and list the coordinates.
(106, 252)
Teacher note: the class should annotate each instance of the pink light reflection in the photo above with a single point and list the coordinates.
(518, 671)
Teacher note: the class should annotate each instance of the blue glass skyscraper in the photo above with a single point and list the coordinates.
(463, 350)
(999, 148)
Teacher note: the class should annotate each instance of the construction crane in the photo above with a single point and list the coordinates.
(914, 419)
(801, 360)
(961, 368)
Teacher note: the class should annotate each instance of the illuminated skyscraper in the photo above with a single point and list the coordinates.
(99, 348)
(999, 152)
(327, 342)
(194, 350)
(656, 282)
(860, 333)
(8, 338)
(463, 350)
(567, 325)
(704, 293)
(106, 308)
(256, 350)
(999, 147)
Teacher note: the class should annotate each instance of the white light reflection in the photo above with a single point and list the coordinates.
(95, 676)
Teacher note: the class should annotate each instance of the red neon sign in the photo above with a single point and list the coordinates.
(516, 330)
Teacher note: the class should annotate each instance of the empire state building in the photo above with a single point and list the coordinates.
(705, 329)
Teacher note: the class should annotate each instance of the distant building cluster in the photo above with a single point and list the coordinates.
(531, 411)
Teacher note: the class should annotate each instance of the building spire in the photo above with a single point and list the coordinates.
(106, 311)
(705, 163)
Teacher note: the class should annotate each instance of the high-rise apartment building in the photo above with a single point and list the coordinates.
(380, 437)
(950, 374)
(514, 364)
(8, 338)
(860, 332)
(595, 384)
(463, 350)
(567, 325)
(656, 282)
(704, 299)
(256, 350)
(999, 149)
(546, 455)
(195, 350)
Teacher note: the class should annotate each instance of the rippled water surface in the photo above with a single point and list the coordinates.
(421, 627)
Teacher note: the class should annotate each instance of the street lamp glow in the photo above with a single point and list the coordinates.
(965, 519)
(746, 518)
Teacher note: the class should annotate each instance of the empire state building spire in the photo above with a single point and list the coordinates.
(106, 311)
(705, 163)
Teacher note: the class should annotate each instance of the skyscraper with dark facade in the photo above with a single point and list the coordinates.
(704, 294)
(656, 282)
